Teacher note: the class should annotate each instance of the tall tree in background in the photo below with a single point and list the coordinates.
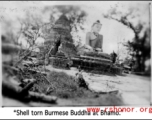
(139, 47)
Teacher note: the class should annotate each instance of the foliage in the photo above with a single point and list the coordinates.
(139, 47)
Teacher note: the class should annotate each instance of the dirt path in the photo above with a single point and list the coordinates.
(133, 89)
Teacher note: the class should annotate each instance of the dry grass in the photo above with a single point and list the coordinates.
(62, 85)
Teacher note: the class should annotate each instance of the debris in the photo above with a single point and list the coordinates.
(80, 80)
(22, 94)
(12, 68)
(42, 97)
(10, 48)
(28, 87)
(39, 86)
(13, 91)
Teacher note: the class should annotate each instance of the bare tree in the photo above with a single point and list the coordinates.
(139, 47)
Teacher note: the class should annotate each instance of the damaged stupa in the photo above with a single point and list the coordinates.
(63, 51)
(60, 43)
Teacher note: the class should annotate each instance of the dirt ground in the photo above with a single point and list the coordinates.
(132, 90)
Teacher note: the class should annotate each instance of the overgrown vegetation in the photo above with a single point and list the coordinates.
(61, 85)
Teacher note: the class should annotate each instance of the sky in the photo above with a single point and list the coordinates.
(112, 31)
